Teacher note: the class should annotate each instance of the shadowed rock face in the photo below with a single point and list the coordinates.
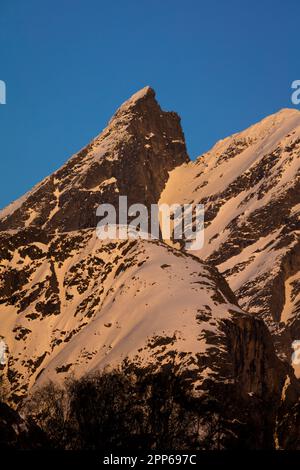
(131, 157)
(16, 433)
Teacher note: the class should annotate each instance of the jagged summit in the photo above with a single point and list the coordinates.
(144, 94)
(142, 105)
(139, 102)
(131, 157)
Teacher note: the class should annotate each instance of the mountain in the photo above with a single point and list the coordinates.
(74, 304)
(131, 157)
(249, 184)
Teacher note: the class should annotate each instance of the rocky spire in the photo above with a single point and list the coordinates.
(132, 157)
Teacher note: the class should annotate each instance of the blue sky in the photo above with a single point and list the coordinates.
(68, 64)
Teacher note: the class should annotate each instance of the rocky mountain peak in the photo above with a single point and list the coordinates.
(132, 157)
(139, 101)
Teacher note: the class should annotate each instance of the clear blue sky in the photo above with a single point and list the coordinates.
(68, 64)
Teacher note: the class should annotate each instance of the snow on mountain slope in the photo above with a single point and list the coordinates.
(72, 304)
(250, 186)
(78, 303)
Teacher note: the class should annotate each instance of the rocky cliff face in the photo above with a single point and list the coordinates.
(70, 303)
(131, 157)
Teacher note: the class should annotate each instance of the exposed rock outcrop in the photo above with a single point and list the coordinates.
(131, 157)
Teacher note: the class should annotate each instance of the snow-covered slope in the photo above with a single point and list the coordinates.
(77, 304)
(72, 304)
(250, 186)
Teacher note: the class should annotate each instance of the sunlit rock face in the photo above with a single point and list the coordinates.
(131, 157)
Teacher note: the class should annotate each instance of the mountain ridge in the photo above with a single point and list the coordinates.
(249, 184)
